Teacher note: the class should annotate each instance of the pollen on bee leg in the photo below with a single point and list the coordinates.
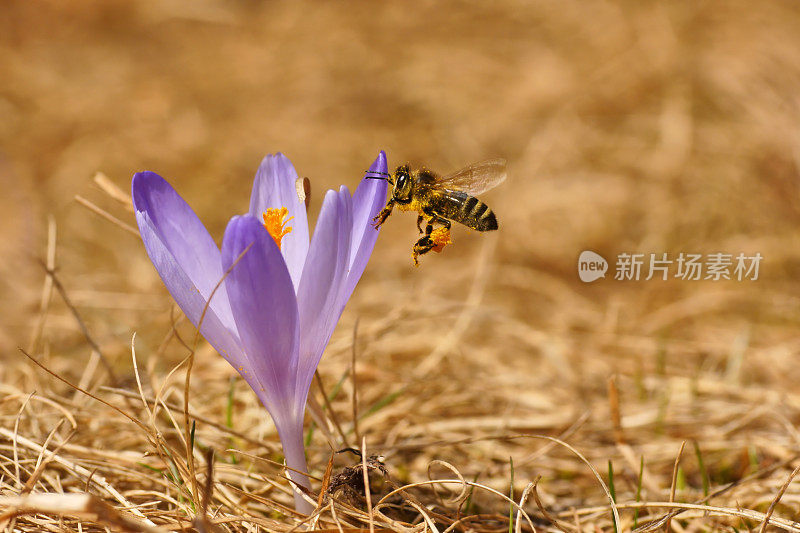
(440, 238)
(275, 222)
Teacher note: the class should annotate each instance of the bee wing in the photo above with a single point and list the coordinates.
(476, 178)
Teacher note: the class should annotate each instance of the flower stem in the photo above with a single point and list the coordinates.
(294, 452)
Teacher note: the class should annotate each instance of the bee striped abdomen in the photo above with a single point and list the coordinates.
(476, 214)
(485, 219)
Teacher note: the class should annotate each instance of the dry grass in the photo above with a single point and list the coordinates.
(628, 126)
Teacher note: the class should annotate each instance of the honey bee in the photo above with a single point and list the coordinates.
(441, 199)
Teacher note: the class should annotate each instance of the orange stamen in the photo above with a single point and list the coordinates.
(275, 221)
(440, 238)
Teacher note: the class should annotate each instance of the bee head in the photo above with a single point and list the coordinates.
(402, 184)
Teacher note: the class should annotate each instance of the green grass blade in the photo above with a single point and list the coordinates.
(702, 466)
(382, 402)
(511, 495)
(613, 491)
(638, 492)
(229, 406)
(468, 503)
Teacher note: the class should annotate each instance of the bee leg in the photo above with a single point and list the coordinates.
(420, 218)
(433, 216)
(381, 217)
(422, 247)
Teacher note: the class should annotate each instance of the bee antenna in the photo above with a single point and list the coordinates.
(383, 176)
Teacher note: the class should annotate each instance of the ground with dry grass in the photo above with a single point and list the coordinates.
(628, 127)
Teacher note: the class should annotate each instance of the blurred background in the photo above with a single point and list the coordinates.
(638, 127)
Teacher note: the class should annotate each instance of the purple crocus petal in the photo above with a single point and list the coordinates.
(187, 260)
(274, 187)
(265, 309)
(368, 200)
(322, 283)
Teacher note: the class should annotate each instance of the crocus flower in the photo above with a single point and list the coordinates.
(274, 314)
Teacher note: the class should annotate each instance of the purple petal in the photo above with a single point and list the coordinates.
(274, 187)
(322, 283)
(368, 200)
(265, 309)
(187, 260)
